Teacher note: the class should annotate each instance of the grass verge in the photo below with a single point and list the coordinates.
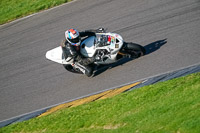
(171, 106)
(14, 9)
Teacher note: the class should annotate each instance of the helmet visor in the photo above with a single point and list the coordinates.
(75, 40)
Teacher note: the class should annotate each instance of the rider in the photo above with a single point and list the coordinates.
(71, 48)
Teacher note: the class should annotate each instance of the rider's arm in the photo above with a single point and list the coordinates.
(91, 32)
(68, 50)
(87, 33)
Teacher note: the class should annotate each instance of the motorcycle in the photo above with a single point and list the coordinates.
(107, 48)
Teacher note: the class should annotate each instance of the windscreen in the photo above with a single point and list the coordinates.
(103, 40)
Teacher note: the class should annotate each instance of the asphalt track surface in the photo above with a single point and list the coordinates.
(169, 30)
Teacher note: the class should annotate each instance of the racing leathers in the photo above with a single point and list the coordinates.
(74, 52)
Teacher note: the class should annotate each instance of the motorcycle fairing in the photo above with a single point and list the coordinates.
(56, 55)
(110, 42)
(87, 47)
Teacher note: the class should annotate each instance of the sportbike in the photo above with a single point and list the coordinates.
(107, 48)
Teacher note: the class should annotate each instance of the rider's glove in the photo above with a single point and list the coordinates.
(100, 30)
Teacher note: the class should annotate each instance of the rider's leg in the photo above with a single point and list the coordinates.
(84, 64)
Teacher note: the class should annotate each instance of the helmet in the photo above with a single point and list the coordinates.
(73, 37)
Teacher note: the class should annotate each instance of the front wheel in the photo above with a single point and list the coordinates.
(134, 50)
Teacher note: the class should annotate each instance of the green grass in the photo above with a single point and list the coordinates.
(166, 107)
(13, 9)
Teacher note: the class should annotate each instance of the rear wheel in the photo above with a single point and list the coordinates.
(134, 50)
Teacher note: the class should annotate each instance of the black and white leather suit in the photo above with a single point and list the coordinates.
(74, 51)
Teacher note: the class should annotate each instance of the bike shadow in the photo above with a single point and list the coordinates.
(150, 48)
(154, 46)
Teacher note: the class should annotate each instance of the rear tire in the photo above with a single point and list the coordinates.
(133, 49)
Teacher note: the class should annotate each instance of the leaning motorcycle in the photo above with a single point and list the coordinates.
(107, 48)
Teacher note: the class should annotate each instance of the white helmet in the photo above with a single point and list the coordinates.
(73, 37)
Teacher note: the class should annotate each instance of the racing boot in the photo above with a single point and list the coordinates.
(84, 63)
(87, 70)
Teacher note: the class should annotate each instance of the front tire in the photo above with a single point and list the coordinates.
(134, 50)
